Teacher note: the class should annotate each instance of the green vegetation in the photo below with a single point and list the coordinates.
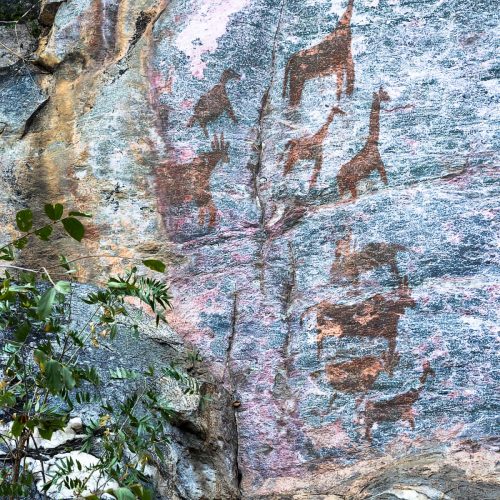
(43, 380)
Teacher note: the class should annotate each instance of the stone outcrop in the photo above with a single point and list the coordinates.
(346, 302)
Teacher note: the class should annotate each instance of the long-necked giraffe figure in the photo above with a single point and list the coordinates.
(331, 55)
(368, 159)
(309, 147)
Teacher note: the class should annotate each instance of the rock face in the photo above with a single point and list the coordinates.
(320, 176)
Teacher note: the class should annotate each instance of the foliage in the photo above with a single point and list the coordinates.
(42, 379)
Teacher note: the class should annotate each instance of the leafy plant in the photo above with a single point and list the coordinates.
(42, 379)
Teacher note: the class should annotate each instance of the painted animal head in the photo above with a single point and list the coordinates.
(335, 111)
(220, 149)
(229, 74)
(383, 96)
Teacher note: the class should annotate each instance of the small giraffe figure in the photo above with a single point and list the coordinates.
(212, 104)
(331, 55)
(310, 147)
(190, 182)
(368, 159)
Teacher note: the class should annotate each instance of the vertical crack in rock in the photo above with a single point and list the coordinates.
(288, 296)
(259, 148)
(229, 371)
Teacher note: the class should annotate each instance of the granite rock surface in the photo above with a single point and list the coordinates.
(320, 176)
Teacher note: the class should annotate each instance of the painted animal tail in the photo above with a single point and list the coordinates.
(287, 74)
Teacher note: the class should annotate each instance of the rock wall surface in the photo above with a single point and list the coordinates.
(320, 175)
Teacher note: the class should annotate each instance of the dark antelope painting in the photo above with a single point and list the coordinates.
(212, 104)
(351, 264)
(400, 407)
(181, 184)
(331, 56)
(375, 317)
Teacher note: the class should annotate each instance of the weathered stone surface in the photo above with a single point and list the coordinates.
(338, 270)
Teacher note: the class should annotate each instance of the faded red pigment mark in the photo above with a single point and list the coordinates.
(331, 55)
(368, 159)
(310, 147)
(351, 264)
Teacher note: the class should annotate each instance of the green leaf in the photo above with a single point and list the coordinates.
(44, 232)
(123, 494)
(22, 332)
(53, 212)
(46, 302)
(7, 252)
(24, 220)
(74, 228)
(120, 373)
(80, 214)
(17, 428)
(41, 358)
(67, 377)
(7, 399)
(155, 265)
(53, 376)
(45, 433)
(63, 287)
(21, 243)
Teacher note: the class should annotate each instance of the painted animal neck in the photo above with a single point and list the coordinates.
(374, 120)
(345, 20)
(321, 133)
(211, 159)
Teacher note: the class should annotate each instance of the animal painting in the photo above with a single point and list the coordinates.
(368, 159)
(400, 407)
(375, 317)
(212, 104)
(310, 147)
(330, 56)
(357, 375)
(351, 264)
(190, 183)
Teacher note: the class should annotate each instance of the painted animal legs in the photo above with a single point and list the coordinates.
(213, 214)
(317, 169)
(349, 70)
(340, 80)
(230, 112)
(290, 162)
(201, 216)
(382, 172)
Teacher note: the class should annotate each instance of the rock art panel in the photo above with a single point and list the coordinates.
(348, 310)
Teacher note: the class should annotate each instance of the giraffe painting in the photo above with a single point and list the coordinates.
(368, 159)
(331, 55)
(310, 147)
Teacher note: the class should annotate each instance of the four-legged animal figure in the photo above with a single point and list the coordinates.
(375, 317)
(180, 184)
(212, 104)
(331, 55)
(310, 147)
(351, 264)
(368, 159)
(400, 407)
